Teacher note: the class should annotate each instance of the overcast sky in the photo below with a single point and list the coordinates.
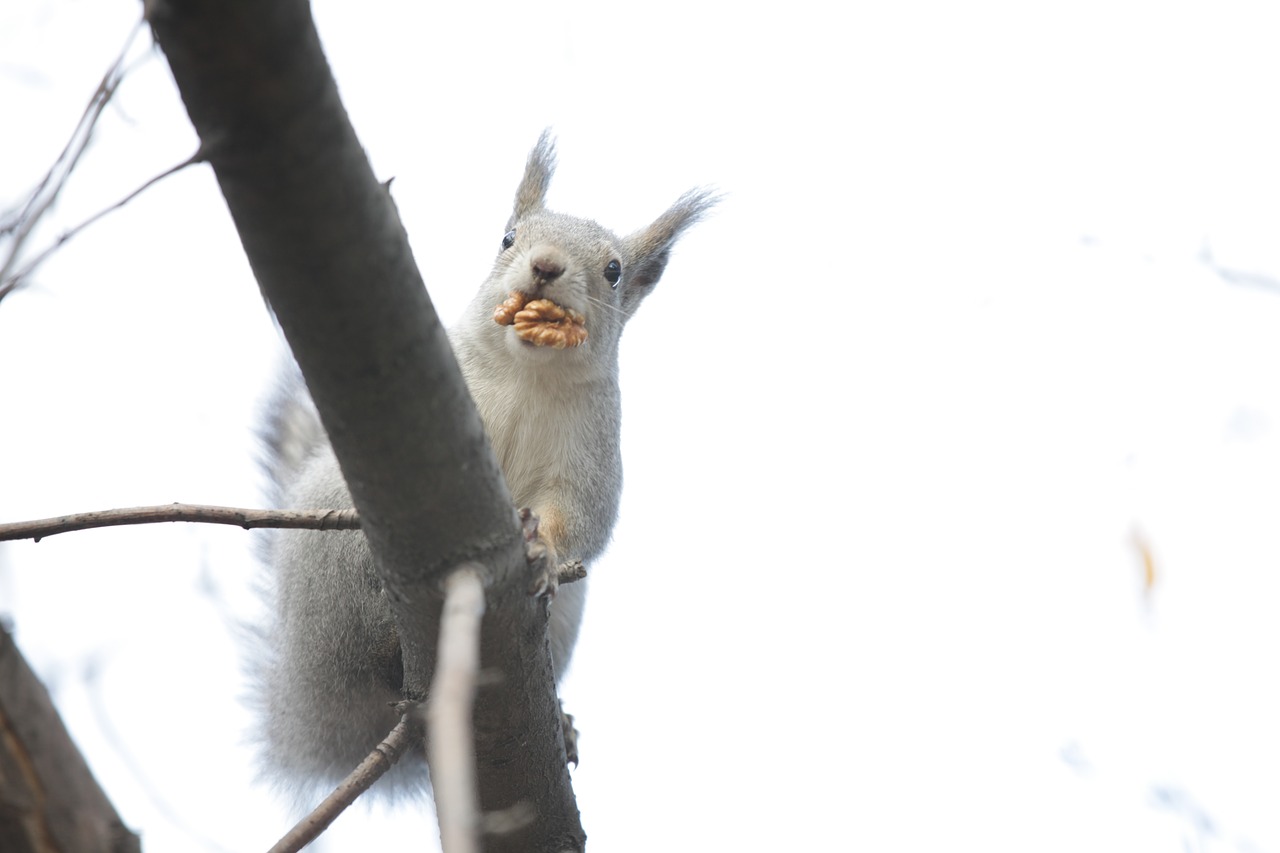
(989, 312)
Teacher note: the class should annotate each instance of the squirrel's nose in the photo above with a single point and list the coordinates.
(546, 266)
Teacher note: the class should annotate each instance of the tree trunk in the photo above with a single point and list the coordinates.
(49, 801)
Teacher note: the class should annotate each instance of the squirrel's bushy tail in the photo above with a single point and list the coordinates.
(289, 434)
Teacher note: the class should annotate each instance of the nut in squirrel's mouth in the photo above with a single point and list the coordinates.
(541, 322)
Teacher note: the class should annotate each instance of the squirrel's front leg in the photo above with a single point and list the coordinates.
(543, 536)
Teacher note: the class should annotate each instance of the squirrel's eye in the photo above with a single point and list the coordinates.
(613, 272)
(508, 239)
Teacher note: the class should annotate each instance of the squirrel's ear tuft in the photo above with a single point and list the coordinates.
(649, 248)
(537, 177)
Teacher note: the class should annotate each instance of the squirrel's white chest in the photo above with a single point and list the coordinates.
(530, 425)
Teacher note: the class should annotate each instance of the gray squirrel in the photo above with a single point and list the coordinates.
(538, 348)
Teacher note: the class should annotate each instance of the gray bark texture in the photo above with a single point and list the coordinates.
(49, 801)
(331, 257)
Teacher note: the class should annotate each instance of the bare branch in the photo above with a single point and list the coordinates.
(46, 193)
(384, 756)
(12, 282)
(318, 519)
(1234, 276)
(450, 741)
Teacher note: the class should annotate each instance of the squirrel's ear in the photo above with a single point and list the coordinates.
(649, 248)
(537, 177)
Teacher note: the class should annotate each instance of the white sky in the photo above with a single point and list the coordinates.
(893, 420)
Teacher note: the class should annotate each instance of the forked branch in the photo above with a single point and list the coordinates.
(23, 222)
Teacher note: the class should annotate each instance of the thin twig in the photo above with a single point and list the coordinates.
(318, 519)
(451, 753)
(37, 202)
(378, 762)
(1232, 276)
(46, 193)
(13, 281)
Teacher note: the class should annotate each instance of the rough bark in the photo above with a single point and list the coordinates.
(49, 801)
(330, 254)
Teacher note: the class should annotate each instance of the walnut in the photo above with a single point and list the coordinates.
(505, 313)
(541, 322)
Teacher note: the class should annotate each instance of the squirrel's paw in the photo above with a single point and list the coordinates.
(544, 573)
(570, 571)
(570, 737)
(545, 568)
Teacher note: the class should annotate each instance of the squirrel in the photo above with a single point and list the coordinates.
(538, 349)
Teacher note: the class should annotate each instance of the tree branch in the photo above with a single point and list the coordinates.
(331, 256)
(44, 195)
(406, 733)
(11, 282)
(451, 745)
(1234, 276)
(320, 519)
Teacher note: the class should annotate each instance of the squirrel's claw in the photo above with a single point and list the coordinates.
(545, 575)
(570, 737)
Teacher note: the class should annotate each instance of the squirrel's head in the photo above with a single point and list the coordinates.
(580, 266)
